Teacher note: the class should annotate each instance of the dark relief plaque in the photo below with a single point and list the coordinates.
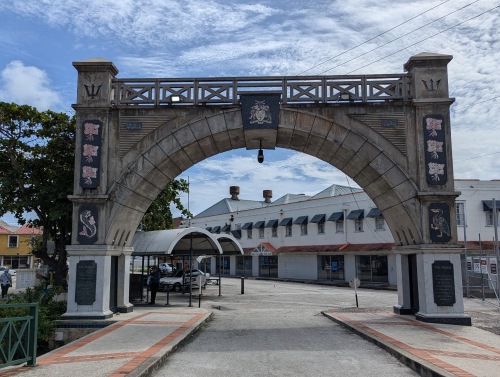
(443, 283)
(260, 111)
(439, 223)
(86, 276)
(435, 149)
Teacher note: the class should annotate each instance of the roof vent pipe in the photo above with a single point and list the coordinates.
(234, 191)
(267, 194)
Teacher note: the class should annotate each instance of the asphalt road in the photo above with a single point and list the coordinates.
(277, 329)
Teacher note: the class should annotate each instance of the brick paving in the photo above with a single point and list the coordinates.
(431, 349)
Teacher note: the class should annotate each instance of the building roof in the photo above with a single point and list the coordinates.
(18, 230)
(4, 227)
(228, 205)
(336, 190)
(291, 198)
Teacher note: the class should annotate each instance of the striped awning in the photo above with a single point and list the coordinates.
(301, 220)
(336, 216)
(318, 218)
(374, 212)
(247, 226)
(286, 221)
(272, 223)
(488, 205)
(259, 224)
(357, 214)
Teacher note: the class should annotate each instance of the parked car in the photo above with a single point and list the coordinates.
(181, 278)
(165, 268)
(11, 271)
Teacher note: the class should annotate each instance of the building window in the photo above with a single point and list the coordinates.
(321, 228)
(303, 229)
(460, 214)
(261, 232)
(489, 218)
(339, 226)
(379, 223)
(288, 230)
(249, 233)
(274, 232)
(358, 225)
(372, 268)
(13, 241)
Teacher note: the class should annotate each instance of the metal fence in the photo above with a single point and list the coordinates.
(477, 279)
(18, 335)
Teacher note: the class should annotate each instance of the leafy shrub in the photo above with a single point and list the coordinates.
(48, 312)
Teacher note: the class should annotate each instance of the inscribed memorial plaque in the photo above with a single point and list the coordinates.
(443, 283)
(86, 276)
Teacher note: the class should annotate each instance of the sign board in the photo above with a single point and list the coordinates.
(484, 265)
(86, 276)
(443, 283)
(493, 266)
(25, 279)
(469, 263)
(477, 266)
(354, 283)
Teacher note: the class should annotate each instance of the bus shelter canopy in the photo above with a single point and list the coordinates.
(229, 244)
(176, 242)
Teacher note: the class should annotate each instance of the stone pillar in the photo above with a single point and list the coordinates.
(89, 256)
(430, 160)
(403, 283)
(124, 306)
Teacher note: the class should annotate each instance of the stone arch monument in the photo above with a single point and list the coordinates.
(390, 133)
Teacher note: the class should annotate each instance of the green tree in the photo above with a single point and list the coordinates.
(36, 176)
(159, 214)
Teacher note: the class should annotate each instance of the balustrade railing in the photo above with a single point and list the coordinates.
(293, 90)
(18, 336)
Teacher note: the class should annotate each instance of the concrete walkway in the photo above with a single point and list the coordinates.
(140, 342)
(137, 344)
(430, 349)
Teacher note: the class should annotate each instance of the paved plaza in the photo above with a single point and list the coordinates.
(291, 328)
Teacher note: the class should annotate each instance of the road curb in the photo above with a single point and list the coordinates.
(149, 367)
(422, 367)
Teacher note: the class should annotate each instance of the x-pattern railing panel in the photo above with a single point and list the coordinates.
(18, 336)
(308, 89)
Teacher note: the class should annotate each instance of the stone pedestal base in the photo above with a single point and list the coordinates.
(430, 285)
(463, 320)
(398, 309)
(88, 315)
(126, 309)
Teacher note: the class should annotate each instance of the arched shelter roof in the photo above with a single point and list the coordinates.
(176, 242)
(229, 244)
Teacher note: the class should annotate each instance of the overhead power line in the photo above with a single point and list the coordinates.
(402, 36)
(424, 39)
(371, 39)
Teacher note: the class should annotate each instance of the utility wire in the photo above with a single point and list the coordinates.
(404, 35)
(477, 103)
(473, 158)
(422, 40)
(371, 39)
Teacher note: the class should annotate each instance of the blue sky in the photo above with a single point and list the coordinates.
(39, 40)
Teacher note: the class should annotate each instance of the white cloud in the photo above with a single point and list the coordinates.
(27, 85)
(293, 174)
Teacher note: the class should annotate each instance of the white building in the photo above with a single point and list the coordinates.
(336, 234)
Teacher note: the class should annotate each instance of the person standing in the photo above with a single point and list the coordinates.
(154, 283)
(5, 282)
